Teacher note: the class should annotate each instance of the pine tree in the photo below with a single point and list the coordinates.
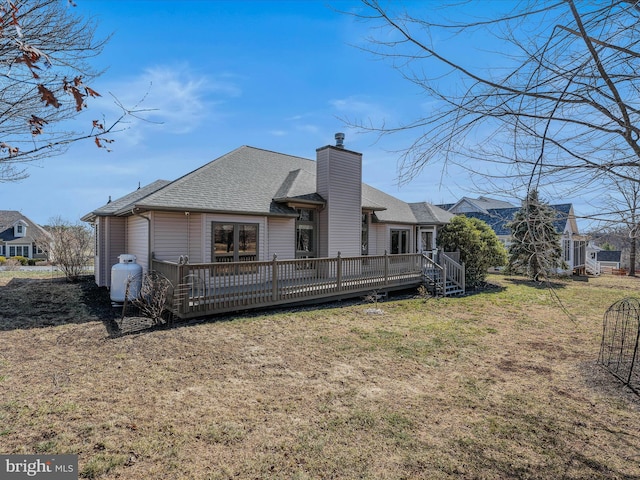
(535, 250)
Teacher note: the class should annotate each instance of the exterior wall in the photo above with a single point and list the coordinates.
(383, 237)
(99, 254)
(138, 240)
(175, 234)
(281, 238)
(373, 238)
(110, 242)
(377, 238)
(339, 182)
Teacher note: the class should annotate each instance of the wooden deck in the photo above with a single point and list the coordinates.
(212, 288)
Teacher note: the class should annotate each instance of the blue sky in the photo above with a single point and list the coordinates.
(216, 75)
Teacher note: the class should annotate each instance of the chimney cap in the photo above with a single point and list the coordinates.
(340, 140)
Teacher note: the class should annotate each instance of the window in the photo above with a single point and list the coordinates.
(306, 228)
(19, 250)
(235, 242)
(20, 228)
(365, 234)
(399, 241)
(427, 240)
(566, 250)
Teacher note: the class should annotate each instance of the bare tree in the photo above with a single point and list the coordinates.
(547, 92)
(622, 202)
(44, 74)
(70, 247)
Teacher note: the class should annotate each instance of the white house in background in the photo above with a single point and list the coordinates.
(497, 214)
(253, 204)
(602, 261)
(21, 237)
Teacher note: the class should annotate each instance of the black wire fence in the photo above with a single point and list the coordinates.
(619, 347)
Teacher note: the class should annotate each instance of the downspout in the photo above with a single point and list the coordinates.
(149, 256)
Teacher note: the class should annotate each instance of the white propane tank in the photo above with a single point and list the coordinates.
(123, 273)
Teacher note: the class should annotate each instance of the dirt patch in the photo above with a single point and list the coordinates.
(39, 303)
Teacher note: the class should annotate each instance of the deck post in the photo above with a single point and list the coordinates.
(183, 294)
(386, 268)
(274, 278)
(445, 268)
(339, 272)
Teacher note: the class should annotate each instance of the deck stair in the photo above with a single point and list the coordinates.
(592, 267)
(443, 279)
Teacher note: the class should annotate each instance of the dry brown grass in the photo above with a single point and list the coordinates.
(497, 385)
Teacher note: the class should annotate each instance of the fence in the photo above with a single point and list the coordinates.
(208, 288)
(619, 347)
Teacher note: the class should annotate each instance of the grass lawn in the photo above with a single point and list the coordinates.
(497, 385)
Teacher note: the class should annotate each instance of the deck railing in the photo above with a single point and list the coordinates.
(208, 288)
(454, 271)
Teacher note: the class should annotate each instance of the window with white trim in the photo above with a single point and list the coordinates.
(19, 251)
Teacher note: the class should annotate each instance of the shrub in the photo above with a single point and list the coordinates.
(71, 247)
(2, 260)
(152, 300)
(12, 264)
(479, 247)
(19, 258)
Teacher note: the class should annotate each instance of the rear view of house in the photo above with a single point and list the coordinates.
(256, 205)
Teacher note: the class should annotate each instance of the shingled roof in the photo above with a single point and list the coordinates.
(250, 180)
(608, 255)
(123, 203)
(8, 218)
(499, 218)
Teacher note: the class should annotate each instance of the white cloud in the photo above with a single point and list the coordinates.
(170, 99)
(278, 133)
(308, 128)
(354, 109)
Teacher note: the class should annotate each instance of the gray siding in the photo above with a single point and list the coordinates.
(383, 236)
(339, 182)
(138, 240)
(377, 239)
(281, 238)
(169, 235)
(111, 243)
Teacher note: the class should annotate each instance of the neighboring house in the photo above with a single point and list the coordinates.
(497, 214)
(21, 237)
(603, 261)
(254, 205)
(473, 205)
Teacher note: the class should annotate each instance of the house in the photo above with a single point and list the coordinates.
(21, 237)
(497, 214)
(603, 261)
(254, 205)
